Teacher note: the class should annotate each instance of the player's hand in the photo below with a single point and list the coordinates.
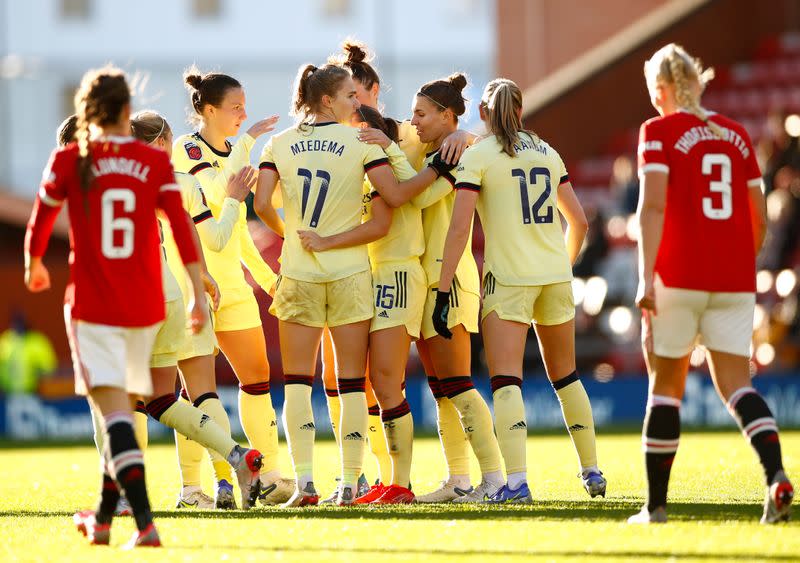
(440, 313)
(37, 278)
(440, 166)
(312, 242)
(198, 314)
(373, 136)
(454, 146)
(646, 296)
(212, 288)
(240, 184)
(263, 126)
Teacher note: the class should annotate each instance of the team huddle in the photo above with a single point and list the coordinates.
(376, 225)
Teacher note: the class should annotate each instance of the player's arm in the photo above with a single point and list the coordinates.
(455, 144)
(397, 193)
(577, 225)
(169, 200)
(216, 234)
(252, 260)
(375, 228)
(758, 212)
(45, 211)
(263, 200)
(383, 178)
(652, 203)
(457, 234)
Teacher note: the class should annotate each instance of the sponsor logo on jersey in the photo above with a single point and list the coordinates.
(383, 315)
(308, 426)
(203, 419)
(518, 426)
(193, 151)
(354, 436)
(576, 427)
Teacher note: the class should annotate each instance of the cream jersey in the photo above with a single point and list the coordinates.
(214, 235)
(517, 205)
(212, 168)
(172, 290)
(321, 169)
(410, 144)
(405, 240)
(437, 202)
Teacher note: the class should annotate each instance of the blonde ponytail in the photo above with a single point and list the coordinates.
(502, 104)
(673, 65)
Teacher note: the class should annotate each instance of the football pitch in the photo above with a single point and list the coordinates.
(716, 497)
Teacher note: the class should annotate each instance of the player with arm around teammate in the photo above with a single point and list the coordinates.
(521, 189)
(114, 185)
(701, 197)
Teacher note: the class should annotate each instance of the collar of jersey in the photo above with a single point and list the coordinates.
(322, 124)
(212, 149)
(119, 139)
(433, 152)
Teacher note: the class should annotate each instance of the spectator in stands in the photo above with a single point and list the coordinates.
(624, 185)
(26, 356)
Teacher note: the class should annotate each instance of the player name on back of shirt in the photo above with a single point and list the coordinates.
(120, 165)
(318, 145)
(703, 133)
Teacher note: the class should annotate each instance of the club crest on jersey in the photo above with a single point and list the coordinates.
(193, 151)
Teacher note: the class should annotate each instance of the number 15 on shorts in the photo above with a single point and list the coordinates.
(384, 296)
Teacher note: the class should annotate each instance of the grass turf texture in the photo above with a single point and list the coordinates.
(715, 503)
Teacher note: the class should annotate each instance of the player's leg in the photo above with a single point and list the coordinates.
(452, 364)
(299, 345)
(198, 377)
(554, 314)
(111, 362)
(455, 444)
(557, 345)
(376, 436)
(196, 425)
(190, 458)
(726, 330)
(246, 350)
(350, 342)
(668, 339)
(386, 371)
(504, 345)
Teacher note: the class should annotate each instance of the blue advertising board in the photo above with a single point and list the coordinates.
(619, 402)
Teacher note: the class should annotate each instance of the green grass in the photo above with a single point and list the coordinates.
(715, 503)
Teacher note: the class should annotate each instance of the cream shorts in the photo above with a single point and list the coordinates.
(551, 304)
(110, 356)
(720, 321)
(399, 294)
(171, 336)
(238, 310)
(204, 343)
(464, 309)
(339, 302)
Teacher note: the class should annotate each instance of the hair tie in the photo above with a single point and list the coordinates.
(424, 95)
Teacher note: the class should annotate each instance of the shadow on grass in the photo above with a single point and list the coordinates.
(609, 510)
(614, 555)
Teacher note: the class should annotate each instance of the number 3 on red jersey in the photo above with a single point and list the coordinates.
(721, 186)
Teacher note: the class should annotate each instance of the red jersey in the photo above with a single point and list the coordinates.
(115, 263)
(707, 242)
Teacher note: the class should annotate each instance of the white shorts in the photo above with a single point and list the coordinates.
(110, 356)
(720, 321)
